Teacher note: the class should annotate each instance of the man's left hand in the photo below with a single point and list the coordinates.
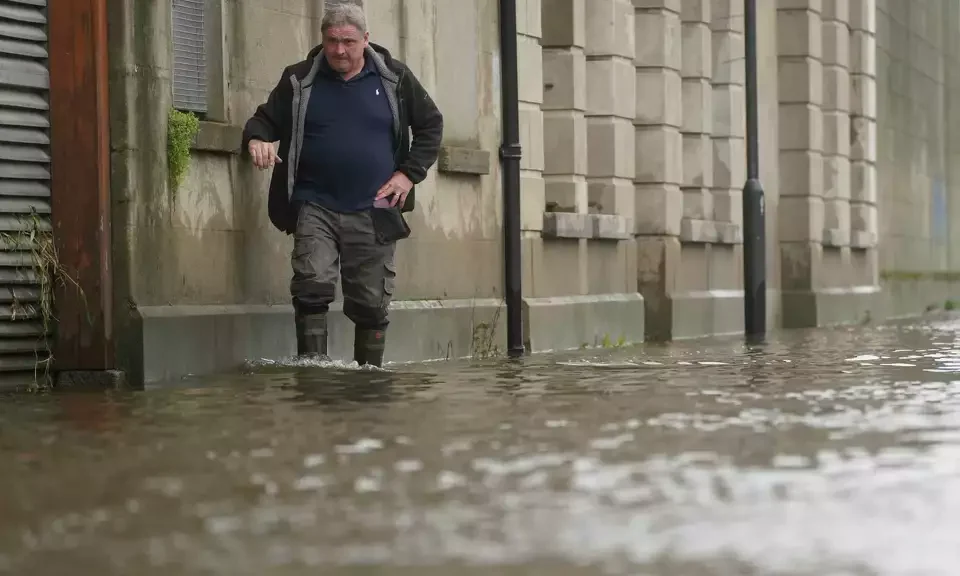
(397, 186)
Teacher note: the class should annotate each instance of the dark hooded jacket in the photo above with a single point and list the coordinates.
(282, 117)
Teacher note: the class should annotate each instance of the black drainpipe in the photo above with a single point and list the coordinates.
(754, 218)
(510, 154)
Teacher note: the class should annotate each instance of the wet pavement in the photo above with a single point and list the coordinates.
(830, 452)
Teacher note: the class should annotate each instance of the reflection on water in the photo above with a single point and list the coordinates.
(820, 453)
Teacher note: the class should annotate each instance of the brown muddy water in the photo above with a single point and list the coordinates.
(830, 452)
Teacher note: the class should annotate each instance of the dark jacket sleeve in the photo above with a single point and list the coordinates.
(265, 123)
(426, 124)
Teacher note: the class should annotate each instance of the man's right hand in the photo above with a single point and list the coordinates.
(264, 155)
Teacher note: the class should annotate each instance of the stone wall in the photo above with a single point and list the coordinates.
(632, 122)
(918, 97)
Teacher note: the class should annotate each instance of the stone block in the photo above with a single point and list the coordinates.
(863, 14)
(836, 216)
(811, 5)
(863, 217)
(565, 194)
(612, 196)
(657, 39)
(729, 162)
(658, 97)
(801, 127)
(836, 44)
(863, 139)
(697, 203)
(863, 182)
(529, 18)
(564, 79)
(727, 65)
(697, 160)
(838, 10)
(729, 111)
(801, 173)
(835, 237)
(799, 33)
(659, 209)
(698, 231)
(863, 53)
(563, 23)
(611, 144)
(726, 16)
(728, 206)
(570, 322)
(612, 227)
(695, 11)
(564, 142)
(532, 202)
(610, 29)
(862, 240)
(836, 177)
(729, 233)
(863, 96)
(836, 89)
(567, 225)
(531, 137)
(668, 5)
(697, 52)
(611, 88)
(800, 80)
(530, 60)
(459, 160)
(800, 219)
(836, 133)
(659, 155)
(697, 111)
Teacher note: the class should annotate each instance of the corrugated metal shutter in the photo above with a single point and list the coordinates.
(189, 56)
(24, 179)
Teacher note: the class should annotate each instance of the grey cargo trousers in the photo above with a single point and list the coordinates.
(328, 245)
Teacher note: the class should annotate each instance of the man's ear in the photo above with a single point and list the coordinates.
(366, 38)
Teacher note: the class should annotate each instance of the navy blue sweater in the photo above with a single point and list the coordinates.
(348, 145)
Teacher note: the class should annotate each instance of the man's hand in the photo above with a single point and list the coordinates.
(397, 186)
(264, 155)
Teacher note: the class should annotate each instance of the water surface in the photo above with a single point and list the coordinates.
(821, 453)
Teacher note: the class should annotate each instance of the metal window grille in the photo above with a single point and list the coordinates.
(189, 56)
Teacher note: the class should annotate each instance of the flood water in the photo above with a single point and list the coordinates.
(829, 452)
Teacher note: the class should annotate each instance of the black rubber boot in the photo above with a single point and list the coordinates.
(312, 335)
(368, 346)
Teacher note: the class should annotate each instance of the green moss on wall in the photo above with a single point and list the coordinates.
(182, 128)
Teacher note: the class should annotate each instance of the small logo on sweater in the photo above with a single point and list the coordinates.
(378, 91)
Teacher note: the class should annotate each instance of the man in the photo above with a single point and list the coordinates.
(344, 170)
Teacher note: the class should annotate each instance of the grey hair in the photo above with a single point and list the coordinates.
(343, 13)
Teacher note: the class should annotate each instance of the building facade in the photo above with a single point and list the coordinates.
(633, 136)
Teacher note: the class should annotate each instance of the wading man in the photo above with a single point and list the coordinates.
(336, 130)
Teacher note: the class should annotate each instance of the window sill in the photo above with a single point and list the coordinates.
(218, 138)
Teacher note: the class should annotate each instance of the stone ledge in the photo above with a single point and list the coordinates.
(830, 307)
(574, 322)
(177, 341)
(706, 313)
(709, 232)
(218, 137)
(459, 160)
(570, 225)
(862, 240)
(835, 237)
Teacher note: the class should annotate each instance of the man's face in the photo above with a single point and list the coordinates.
(343, 47)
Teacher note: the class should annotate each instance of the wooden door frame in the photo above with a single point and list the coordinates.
(80, 183)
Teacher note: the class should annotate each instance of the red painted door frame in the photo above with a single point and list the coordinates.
(80, 182)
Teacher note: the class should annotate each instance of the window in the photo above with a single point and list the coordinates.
(190, 56)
